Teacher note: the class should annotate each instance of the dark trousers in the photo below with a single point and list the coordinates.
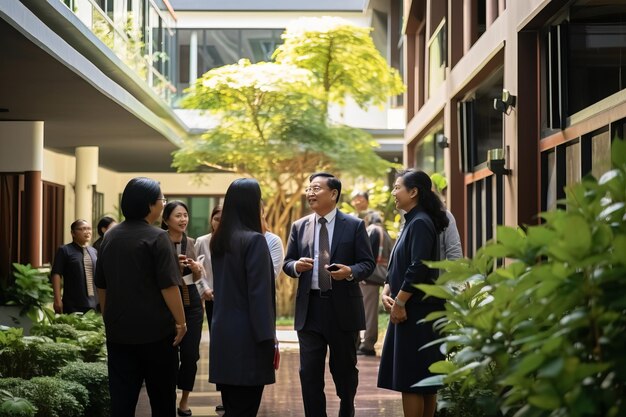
(130, 365)
(241, 401)
(321, 331)
(190, 345)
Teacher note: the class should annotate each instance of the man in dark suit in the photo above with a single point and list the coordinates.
(329, 252)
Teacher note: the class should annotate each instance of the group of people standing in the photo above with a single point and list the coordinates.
(153, 285)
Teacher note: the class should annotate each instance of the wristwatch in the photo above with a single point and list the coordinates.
(350, 278)
(399, 302)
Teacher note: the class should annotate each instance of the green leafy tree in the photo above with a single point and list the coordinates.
(272, 121)
(343, 59)
(545, 334)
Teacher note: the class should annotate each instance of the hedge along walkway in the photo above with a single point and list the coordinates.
(284, 398)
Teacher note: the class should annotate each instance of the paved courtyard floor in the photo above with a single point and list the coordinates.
(283, 399)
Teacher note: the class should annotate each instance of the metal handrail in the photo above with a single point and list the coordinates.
(103, 14)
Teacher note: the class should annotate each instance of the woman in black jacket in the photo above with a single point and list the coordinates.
(243, 326)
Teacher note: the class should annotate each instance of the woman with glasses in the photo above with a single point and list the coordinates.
(241, 351)
(175, 221)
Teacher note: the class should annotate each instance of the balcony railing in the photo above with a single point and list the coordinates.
(124, 37)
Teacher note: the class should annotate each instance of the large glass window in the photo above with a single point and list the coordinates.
(428, 155)
(437, 58)
(585, 59)
(212, 48)
(596, 53)
(481, 125)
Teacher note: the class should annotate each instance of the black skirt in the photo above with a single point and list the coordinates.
(402, 363)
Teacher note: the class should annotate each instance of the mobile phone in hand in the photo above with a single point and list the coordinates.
(332, 268)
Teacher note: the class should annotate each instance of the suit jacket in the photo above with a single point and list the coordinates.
(243, 326)
(350, 246)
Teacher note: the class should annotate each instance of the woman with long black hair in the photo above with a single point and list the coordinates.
(402, 362)
(241, 352)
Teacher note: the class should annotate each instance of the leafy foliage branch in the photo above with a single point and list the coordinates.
(545, 334)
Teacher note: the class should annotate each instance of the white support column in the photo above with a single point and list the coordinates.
(86, 180)
(193, 57)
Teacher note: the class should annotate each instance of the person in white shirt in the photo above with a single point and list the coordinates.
(202, 250)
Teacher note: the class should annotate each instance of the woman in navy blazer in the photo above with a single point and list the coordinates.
(402, 363)
(243, 328)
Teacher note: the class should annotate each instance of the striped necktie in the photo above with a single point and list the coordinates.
(88, 264)
(324, 257)
(183, 287)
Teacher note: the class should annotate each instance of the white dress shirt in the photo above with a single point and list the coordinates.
(277, 252)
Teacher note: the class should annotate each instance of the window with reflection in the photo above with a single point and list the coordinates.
(597, 51)
(481, 125)
(585, 58)
(206, 49)
(437, 58)
(428, 155)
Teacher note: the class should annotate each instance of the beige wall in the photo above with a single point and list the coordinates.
(61, 169)
(191, 184)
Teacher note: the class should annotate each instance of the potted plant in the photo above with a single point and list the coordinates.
(25, 298)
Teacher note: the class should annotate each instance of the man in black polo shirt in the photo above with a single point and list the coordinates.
(137, 279)
(74, 267)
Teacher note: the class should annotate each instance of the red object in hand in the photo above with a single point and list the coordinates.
(276, 357)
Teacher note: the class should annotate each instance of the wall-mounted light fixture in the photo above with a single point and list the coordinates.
(441, 140)
(496, 161)
(505, 103)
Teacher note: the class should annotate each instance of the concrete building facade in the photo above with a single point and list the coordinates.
(513, 100)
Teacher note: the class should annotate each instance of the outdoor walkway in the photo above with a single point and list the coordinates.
(283, 399)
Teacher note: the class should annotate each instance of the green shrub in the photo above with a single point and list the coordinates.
(54, 397)
(92, 345)
(12, 385)
(26, 357)
(545, 334)
(49, 357)
(88, 321)
(94, 377)
(51, 396)
(55, 330)
(12, 406)
(91, 342)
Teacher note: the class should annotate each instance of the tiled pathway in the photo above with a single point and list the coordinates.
(283, 399)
